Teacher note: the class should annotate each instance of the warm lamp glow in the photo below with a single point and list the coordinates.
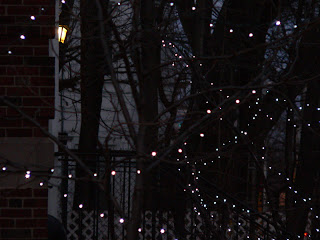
(62, 33)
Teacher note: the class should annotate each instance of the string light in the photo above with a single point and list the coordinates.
(22, 37)
(113, 173)
(28, 174)
(32, 18)
(154, 154)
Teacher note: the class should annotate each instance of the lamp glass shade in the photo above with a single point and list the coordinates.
(62, 33)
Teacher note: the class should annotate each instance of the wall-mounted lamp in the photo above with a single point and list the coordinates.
(62, 33)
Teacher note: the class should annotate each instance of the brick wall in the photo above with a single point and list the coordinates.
(26, 70)
(23, 213)
(26, 79)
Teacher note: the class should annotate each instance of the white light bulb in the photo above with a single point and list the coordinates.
(121, 220)
(32, 18)
(101, 215)
(22, 36)
(278, 23)
(251, 35)
(154, 153)
(113, 173)
(237, 101)
(180, 150)
(162, 231)
(80, 205)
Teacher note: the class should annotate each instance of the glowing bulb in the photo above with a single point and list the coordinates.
(237, 101)
(154, 154)
(81, 205)
(121, 220)
(32, 18)
(278, 23)
(139, 230)
(254, 91)
(65, 195)
(208, 111)
(70, 176)
(171, 4)
(113, 173)
(180, 150)
(231, 30)
(193, 8)
(41, 184)
(250, 34)
(22, 37)
(138, 171)
(95, 174)
(201, 135)
(162, 231)
(4, 168)
(101, 215)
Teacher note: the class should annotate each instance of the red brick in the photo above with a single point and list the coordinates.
(39, 61)
(40, 213)
(47, 91)
(48, 31)
(19, 132)
(10, 123)
(16, 193)
(7, 81)
(6, 223)
(3, 202)
(40, 192)
(3, 91)
(23, 10)
(40, 233)
(11, 2)
(22, 51)
(35, 203)
(47, 71)
(3, 30)
(15, 233)
(28, 31)
(31, 223)
(20, 71)
(47, 112)
(33, 112)
(11, 60)
(22, 91)
(38, 101)
(42, 122)
(41, 51)
(15, 213)
(2, 10)
(42, 81)
(3, 71)
(38, 2)
(15, 203)
(3, 133)
(7, 19)
(35, 42)
(9, 40)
